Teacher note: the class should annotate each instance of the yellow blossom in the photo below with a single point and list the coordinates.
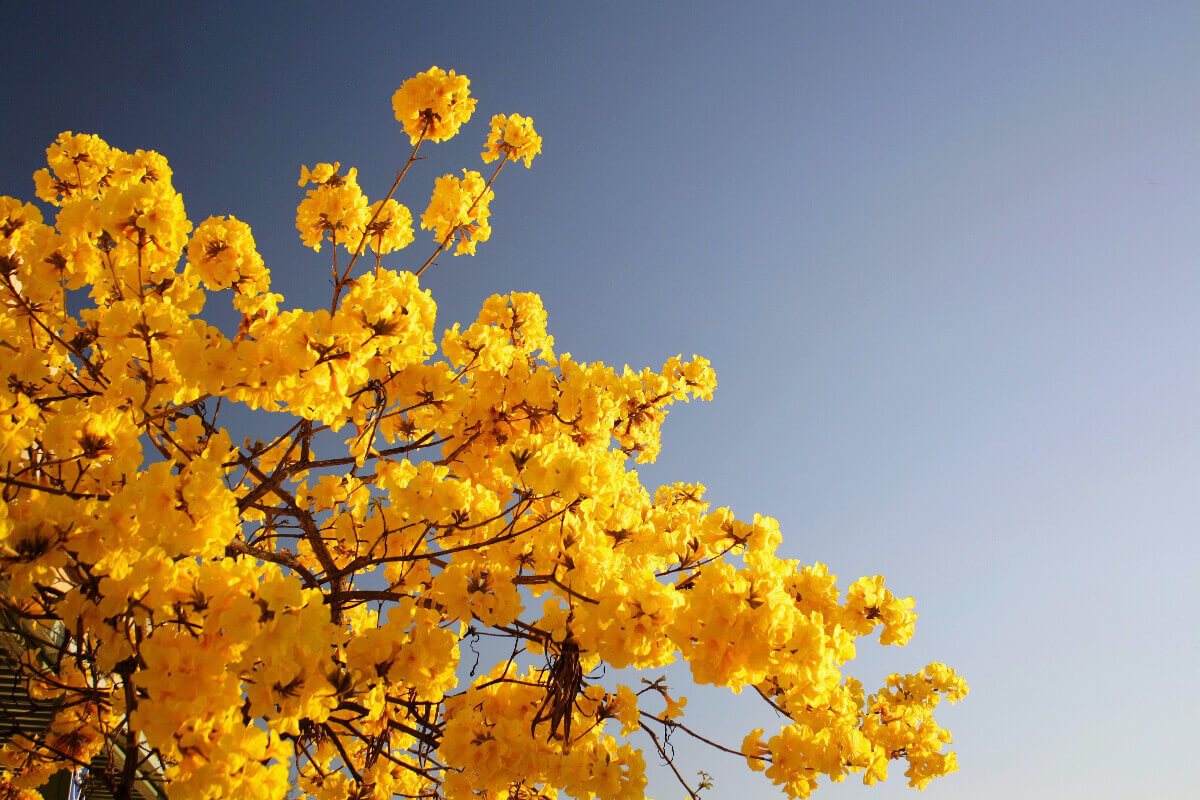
(390, 227)
(459, 207)
(336, 208)
(512, 137)
(434, 104)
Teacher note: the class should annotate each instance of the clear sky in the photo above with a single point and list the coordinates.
(943, 257)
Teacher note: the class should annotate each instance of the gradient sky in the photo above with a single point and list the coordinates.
(943, 257)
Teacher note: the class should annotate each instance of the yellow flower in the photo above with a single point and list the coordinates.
(392, 227)
(336, 208)
(459, 206)
(512, 136)
(321, 173)
(78, 165)
(223, 253)
(435, 103)
(674, 707)
(755, 750)
(17, 222)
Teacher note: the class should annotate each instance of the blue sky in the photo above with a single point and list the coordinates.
(943, 257)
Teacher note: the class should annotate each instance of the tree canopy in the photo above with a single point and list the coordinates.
(287, 614)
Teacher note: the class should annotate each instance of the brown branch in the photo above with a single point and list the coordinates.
(670, 762)
(345, 756)
(238, 547)
(670, 723)
(341, 281)
(52, 490)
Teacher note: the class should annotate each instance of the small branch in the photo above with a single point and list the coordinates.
(669, 762)
(52, 490)
(341, 281)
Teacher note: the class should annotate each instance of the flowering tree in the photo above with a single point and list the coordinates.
(251, 619)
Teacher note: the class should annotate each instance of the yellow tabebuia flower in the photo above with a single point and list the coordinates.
(512, 137)
(433, 105)
(459, 207)
(336, 208)
(390, 227)
(223, 253)
(78, 166)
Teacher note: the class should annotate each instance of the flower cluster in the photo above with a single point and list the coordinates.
(512, 137)
(433, 105)
(335, 208)
(299, 606)
(390, 227)
(459, 207)
(223, 254)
